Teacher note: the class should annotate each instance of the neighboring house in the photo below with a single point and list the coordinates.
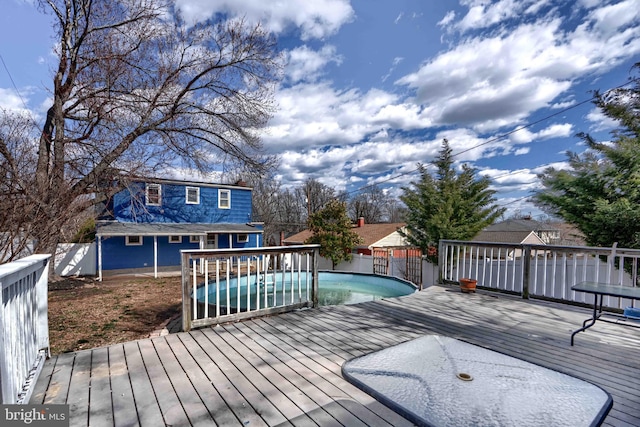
(529, 231)
(149, 222)
(519, 231)
(372, 235)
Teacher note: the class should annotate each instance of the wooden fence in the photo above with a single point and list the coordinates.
(225, 285)
(544, 271)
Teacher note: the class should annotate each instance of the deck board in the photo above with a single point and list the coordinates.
(286, 369)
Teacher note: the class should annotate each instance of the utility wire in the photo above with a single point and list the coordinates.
(498, 138)
(13, 82)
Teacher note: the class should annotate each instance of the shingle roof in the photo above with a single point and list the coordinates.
(169, 229)
(370, 233)
(502, 236)
(521, 225)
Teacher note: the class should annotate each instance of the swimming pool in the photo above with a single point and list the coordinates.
(334, 288)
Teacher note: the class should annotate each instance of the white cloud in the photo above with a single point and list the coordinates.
(10, 100)
(484, 14)
(316, 19)
(496, 80)
(448, 19)
(600, 122)
(306, 64)
(317, 114)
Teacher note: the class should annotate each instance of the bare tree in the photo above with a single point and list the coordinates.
(137, 90)
(316, 195)
(374, 205)
(368, 205)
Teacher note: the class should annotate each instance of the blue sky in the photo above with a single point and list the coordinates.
(372, 87)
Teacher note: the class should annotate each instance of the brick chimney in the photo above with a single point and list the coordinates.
(282, 238)
(361, 222)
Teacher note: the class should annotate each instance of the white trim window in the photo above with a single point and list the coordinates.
(224, 199)
(192, 195)
(194, 239)
(153, 194)
(175, 239)
(133, 240)
(243, 238)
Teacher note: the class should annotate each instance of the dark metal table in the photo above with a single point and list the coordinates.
(601, 290)
(440, 381)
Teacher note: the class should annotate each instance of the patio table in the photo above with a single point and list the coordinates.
(601, 290)
(441, 381)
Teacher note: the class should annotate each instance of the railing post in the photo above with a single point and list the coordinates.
(186, 294)
(441, 262)
(315, 277)
(526, 266)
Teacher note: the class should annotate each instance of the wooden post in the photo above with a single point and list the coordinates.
(526, 266)
(186, 293)
(315, 276)
(441, 262)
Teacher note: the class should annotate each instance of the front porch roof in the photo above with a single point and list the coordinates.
(171, 229)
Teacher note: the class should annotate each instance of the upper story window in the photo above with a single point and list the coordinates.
(193, 195)
(154, 192)
(224, 199)
(243, 238)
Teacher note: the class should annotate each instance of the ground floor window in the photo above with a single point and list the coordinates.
(133, 241)
(194, 239)
(175, 239)
(243, 238)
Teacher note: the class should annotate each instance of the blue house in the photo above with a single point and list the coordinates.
(149, 222)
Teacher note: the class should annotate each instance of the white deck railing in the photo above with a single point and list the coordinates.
(24, 326)
(540, 270)
(225, 285)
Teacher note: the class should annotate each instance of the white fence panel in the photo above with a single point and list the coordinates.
(24, 326)
(76, 259)
(540, 270)
(223, 285)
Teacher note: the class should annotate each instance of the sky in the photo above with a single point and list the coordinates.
(372, 87)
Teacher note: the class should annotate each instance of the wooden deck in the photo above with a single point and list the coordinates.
(285, 369)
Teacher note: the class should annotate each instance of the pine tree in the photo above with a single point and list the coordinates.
(449, 205)
(600, 191)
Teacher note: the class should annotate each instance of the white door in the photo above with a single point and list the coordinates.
(212, 241)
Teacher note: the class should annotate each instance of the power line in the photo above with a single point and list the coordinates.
(13, 83)
(498, 138)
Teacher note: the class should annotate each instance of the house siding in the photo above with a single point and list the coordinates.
(130, 205)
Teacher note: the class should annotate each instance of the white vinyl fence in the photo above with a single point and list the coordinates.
(24, 326)
(76, 259)
(540, 270)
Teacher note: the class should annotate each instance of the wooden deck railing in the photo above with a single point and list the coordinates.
(225, 285)
(539, 270)
(24, 326)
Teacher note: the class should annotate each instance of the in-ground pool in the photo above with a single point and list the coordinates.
(334, 288)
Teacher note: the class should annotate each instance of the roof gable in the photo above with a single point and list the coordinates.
(369, 233)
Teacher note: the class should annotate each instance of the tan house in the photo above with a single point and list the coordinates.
(372, 235)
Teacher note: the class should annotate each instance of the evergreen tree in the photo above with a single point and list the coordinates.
(331, 228)
(448, 205)
(600, 192)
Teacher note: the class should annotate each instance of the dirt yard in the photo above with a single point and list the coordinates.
(85, 313)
